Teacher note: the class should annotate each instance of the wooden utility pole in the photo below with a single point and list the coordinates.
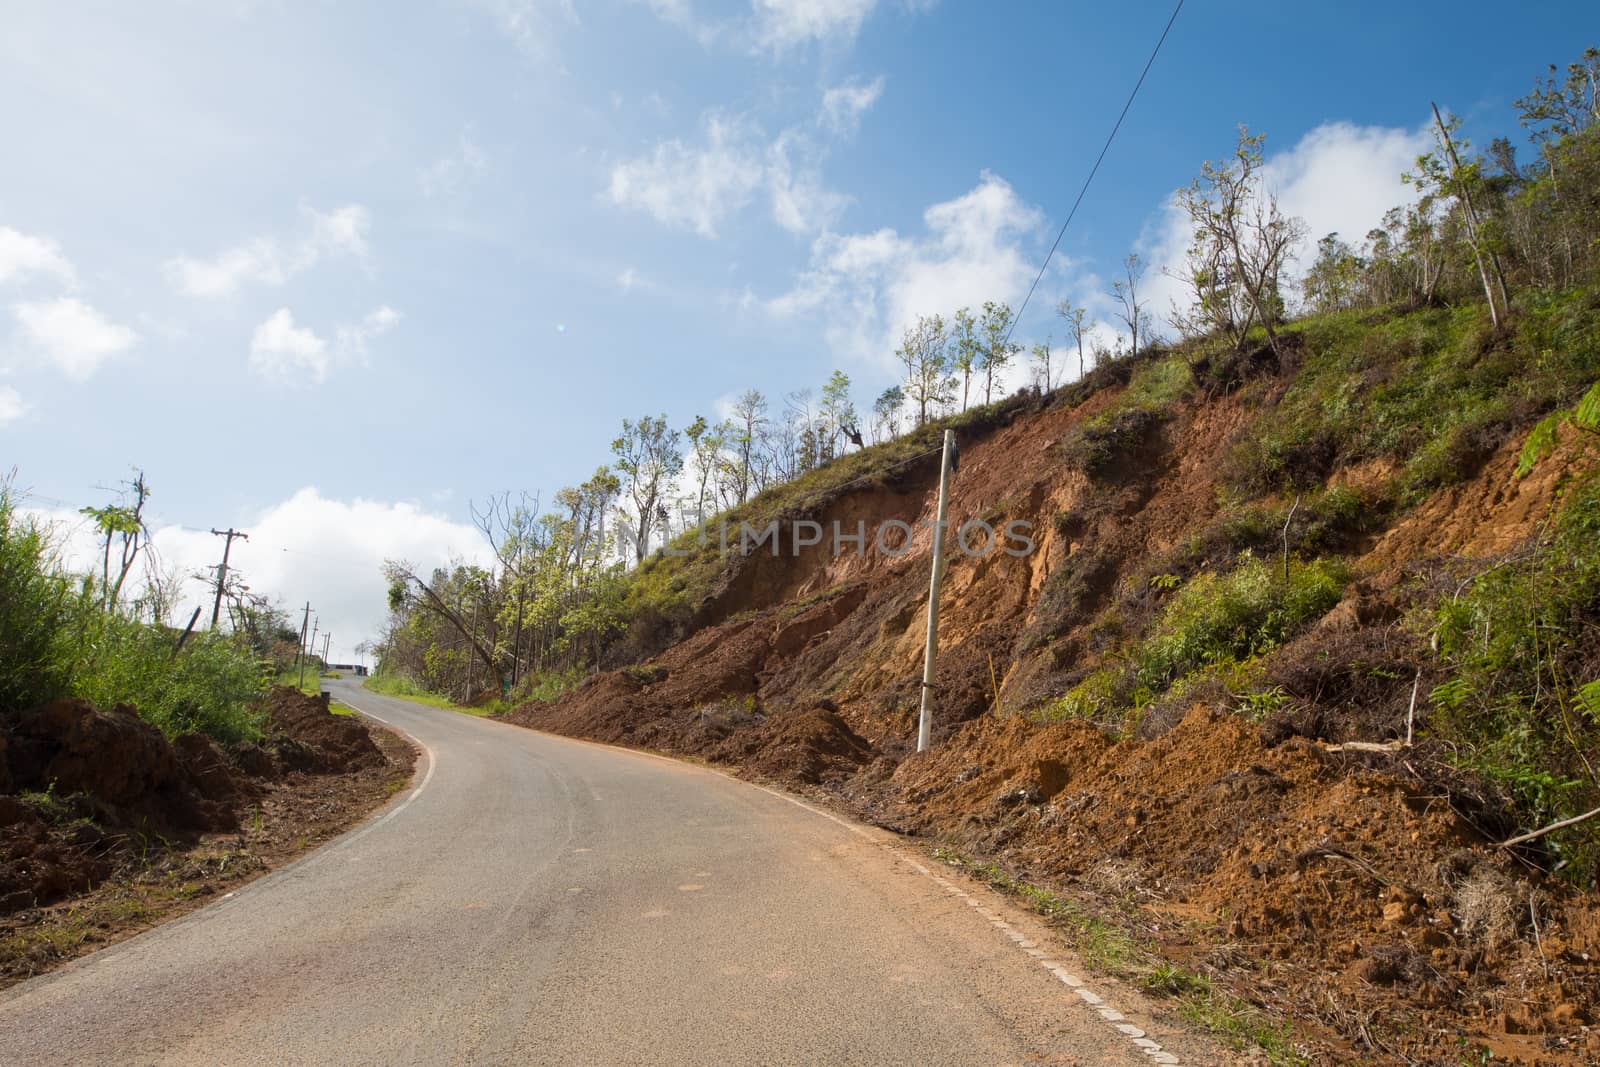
(222, 571)
(930, 654)
(300, 653)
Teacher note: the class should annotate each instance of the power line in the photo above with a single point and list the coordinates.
(1094, 169)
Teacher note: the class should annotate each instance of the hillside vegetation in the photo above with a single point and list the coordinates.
(1312, 624)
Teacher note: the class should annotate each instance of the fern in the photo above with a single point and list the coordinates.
(1541, 440)
(1589, 699)
(1587, 415)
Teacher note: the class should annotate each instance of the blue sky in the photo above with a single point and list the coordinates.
(331, 270)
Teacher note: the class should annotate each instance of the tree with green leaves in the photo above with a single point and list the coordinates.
(1444, 173)
(965, 348)
(1333, 281)
(837, 412)
(649, 458)
(922, 353)
(120, 524)
(886, 413)
(1041, 365)
(705, 452)
(1079, 326)
(994, 328)
(749, 421)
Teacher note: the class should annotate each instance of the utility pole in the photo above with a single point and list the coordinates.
(300, 653)
(931, 653)
(222, 571)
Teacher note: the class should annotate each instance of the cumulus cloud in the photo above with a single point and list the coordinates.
(270, 260)
(23, 256)
(71, 334)
(286, 354)
(843, 105)
(282, 352)
(11, 406)
(699, 186)
(307, 547)
(693, 186)
(871, 286)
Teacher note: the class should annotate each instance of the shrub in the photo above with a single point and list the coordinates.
(210, 687)
(38, 601)
(1220, 618)
(1522, 643)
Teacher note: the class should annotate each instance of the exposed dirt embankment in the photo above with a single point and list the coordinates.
(106, 827)
(1358, 892)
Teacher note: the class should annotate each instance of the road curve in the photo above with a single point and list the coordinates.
(534, 899)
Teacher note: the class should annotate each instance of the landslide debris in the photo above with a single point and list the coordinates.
(1260, 820)
(84, 792)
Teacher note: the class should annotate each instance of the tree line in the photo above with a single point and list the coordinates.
(1482, 227)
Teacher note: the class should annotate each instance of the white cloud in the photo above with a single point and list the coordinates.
(628, 279)
(270, 260)
(871, 286)
(843, 105)
(286, 354)
(71, 334)
(698, 187)
(801, 203)
(781, 24)
(693, 187)
(352, 341)
(23, 256)
(455, 173)
(307, 547)
(282, 352)
(11, 406)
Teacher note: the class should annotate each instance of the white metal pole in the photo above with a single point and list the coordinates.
(925, 721)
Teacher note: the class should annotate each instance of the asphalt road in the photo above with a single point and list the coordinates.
(538, 900)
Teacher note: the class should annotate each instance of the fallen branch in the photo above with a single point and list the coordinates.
(1552, 828)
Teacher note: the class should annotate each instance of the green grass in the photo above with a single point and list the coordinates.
(1434, 389)
(398, 685)
(666, 589)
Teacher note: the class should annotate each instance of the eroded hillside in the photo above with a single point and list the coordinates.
(1243, 565)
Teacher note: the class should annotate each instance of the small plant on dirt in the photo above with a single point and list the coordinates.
(1170, 980)
(1221, 618)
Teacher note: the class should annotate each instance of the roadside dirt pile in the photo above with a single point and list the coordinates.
(1226, 823)
(84, 791)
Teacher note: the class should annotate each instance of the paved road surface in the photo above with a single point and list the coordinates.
(540, 900)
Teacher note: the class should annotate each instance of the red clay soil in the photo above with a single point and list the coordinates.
(107, 828)
(1355, 893)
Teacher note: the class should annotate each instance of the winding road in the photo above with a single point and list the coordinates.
(538, 900)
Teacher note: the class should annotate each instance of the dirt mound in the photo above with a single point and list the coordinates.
(82, 790)
(320, 741)
(1356, 892)
(130, 774)
(809, 746)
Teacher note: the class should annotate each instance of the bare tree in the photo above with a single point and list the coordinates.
(1126, 291)
(1241, 243)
